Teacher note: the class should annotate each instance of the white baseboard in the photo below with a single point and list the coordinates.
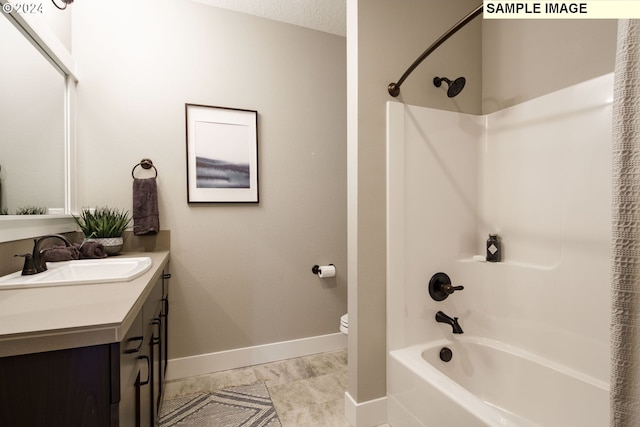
(237, 358)
(365, 414)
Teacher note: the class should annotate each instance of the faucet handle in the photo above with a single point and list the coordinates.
(448, 288)
(29, 266)
(440, 287)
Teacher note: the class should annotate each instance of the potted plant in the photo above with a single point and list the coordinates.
(104, 225)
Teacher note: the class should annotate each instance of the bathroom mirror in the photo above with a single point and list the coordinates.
(34, 132)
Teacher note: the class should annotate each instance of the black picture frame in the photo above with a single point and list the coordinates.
(222, 154)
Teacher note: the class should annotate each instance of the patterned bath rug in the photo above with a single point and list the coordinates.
(244, 406)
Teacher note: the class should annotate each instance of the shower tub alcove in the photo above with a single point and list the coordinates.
(534, 351)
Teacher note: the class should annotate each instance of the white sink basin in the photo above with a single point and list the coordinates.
(80, 272)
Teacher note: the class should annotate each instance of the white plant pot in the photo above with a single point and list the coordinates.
(112, 245)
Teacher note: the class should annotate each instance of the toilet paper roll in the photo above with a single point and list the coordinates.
(325, 271)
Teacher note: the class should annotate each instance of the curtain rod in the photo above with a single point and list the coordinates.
(394, 88)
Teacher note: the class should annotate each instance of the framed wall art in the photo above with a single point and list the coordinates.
(222, 154)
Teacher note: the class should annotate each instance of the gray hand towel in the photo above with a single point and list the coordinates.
(145, 207)
(60, 253)
(91, 250)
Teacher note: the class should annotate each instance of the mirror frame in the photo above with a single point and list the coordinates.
(16, 227)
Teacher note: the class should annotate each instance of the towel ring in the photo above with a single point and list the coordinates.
(146, 164)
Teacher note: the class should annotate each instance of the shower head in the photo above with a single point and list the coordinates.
(455, 87)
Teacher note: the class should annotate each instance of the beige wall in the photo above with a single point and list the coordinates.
(241, 273)
(525, 59)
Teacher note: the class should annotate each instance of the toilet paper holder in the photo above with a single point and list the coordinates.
(316, 269)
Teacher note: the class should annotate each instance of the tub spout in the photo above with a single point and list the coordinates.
(443, 318)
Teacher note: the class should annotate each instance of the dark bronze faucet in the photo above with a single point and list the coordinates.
(443, 318)
(34, 263)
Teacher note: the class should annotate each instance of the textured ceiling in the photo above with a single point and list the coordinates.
(323, 15)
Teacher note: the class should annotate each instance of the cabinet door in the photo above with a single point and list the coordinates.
(143, 393)
(156, 363)
(150, 391)
(129, 370)
(65, 388)
(164, 315)
(128, 406)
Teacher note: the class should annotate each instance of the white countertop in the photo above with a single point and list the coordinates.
(44, 319)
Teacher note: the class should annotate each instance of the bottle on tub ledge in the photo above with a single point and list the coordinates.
(494, 250)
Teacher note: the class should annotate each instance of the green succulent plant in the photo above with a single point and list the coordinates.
(31, 210)
(103, 222)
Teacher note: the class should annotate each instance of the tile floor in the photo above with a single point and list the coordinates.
(306, 391)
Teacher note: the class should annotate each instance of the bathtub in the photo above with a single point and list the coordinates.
(488, 383)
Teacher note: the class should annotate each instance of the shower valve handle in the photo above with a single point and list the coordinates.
(440, 287)
(448, 288)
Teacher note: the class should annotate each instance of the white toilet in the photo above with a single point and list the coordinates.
(344, 324)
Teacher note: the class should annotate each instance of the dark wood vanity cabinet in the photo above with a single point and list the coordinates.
(155, 316)
(112, 385)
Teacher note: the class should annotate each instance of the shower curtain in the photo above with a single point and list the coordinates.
(625, 262)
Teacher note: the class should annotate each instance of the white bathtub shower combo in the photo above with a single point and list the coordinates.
(534, 348)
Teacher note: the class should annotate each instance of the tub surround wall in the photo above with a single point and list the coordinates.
(538, 174)
(432, 214)
(546, 189)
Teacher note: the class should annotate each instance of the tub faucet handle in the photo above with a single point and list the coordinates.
(440, 287)
(449, 288)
